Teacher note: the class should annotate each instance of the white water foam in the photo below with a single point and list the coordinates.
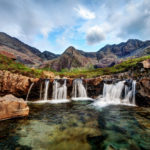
(117, 94)
(82, 99)
(79, 92)
(46, 89)
(53, 101)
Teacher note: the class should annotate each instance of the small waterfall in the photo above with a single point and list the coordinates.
(46, 89)
(59, 91)
(118, 93)
(79, 91)
(134, 91)
(29, 91)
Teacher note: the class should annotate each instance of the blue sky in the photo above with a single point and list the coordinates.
(87, 25)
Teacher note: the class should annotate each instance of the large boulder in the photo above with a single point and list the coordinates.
(12, 107)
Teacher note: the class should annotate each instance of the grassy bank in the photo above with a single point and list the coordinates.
(16, 67)
(88, 73)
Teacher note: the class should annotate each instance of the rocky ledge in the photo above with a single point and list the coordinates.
(12, 107)
(16, 84)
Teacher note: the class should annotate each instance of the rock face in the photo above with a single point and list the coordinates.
(15, 84)
(146, 64)
(94, 86)
(143, 92)
(12, 107)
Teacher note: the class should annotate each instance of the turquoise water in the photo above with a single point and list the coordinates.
(78, 126)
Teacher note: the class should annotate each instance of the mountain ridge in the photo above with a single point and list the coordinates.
(23, 52)
(107, 56)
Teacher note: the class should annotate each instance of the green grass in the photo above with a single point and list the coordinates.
(15, 67)
(88, 73)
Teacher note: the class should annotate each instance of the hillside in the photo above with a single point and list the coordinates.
(111, 54)
(71, 58)
(107, 56)
(16, 67)
(76, 72)
(124, 66)
(24, 53)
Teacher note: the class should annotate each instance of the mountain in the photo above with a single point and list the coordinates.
(23, 52)
(71, 58)
(107, 56)
(48, 55)
(112, 54)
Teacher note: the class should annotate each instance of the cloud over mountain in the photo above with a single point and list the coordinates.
(94, 35)
(55, 25)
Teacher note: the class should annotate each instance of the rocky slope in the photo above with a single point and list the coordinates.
(105, 57)
(111, 54)
(71, 58)
(23, 52)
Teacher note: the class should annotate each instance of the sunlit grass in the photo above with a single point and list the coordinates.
(88, 73)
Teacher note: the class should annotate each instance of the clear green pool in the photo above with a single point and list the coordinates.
(78, 126)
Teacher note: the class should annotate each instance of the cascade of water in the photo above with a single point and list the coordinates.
(134, 91)
(46, 89)
(29, 91)
(118, 93)
(78, 89)
(112, 92)
(59, 91)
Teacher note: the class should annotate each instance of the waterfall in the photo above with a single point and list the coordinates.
(78, 89)
(134, 91)
(29, 91)
(59, 91)
(118, 93)
(46, 89)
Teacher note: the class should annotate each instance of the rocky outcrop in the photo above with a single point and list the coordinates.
(146, 63)
(143, 92)
(48, 74)
(16, 84)
(94, 86)
(12, 107)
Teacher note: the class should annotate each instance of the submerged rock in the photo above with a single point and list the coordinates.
(12, 107)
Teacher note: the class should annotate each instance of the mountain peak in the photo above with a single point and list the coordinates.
(70, 49)
(133, 40)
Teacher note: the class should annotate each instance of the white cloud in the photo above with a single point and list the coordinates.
(95, 35)
(84, 12)
(111, 21)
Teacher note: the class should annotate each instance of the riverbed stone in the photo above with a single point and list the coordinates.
(12, 107)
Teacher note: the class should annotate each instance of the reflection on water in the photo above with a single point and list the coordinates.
(77, 125)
